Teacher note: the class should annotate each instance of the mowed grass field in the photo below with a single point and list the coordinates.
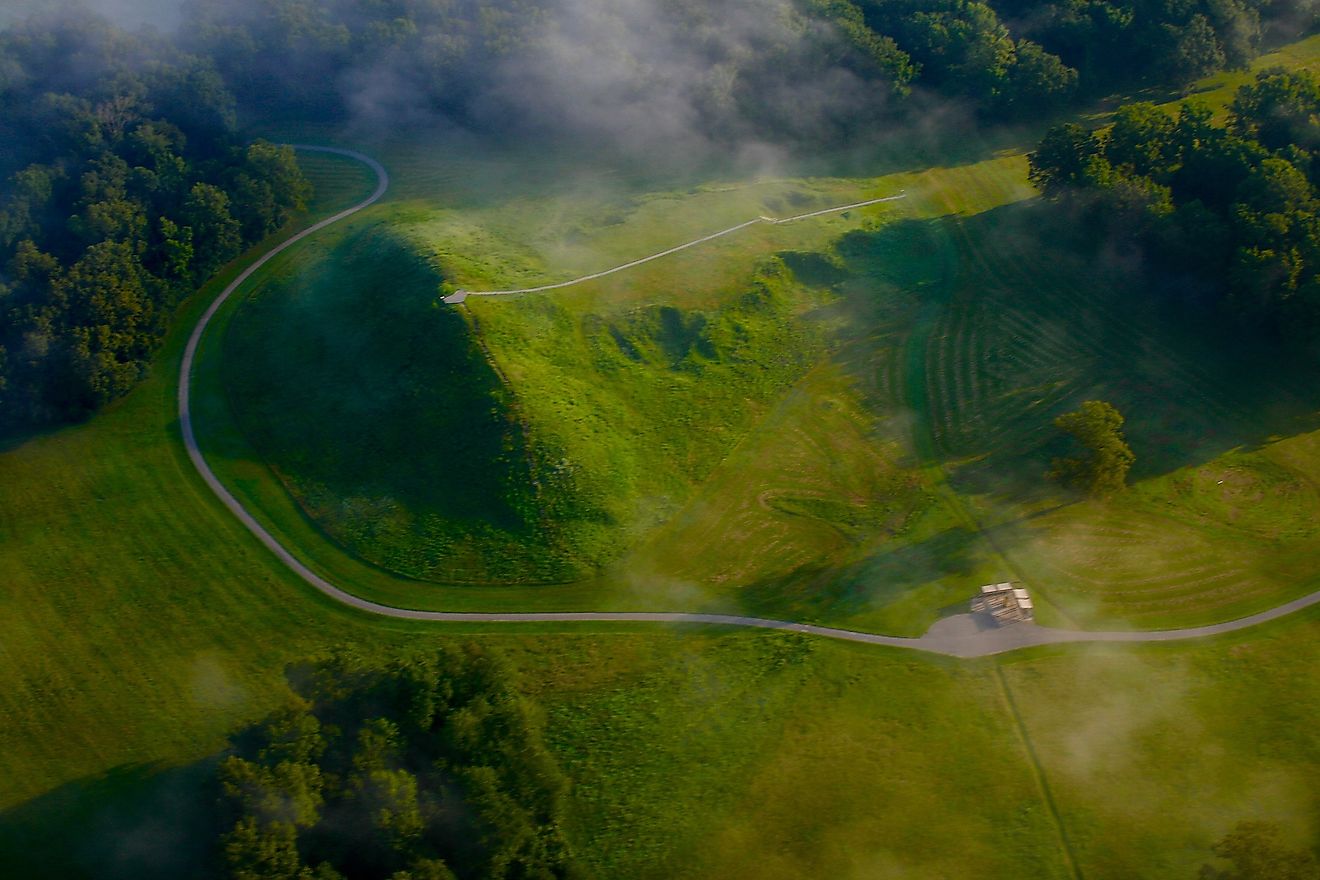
(140, 625)
(844, 420)
(866, 446)
(1221, 518)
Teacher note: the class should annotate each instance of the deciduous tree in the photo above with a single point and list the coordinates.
(1101, 466)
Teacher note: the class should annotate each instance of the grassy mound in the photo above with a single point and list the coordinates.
(382, 416)
(853, 430)
(515, 441)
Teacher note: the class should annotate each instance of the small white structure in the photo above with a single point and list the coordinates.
(1005, 603)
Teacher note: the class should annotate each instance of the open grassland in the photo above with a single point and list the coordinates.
(592, 403)
(741, 758)
(1146, 754)
(1221, 520)
(1129, 739)
(140, 624)
(845, 420)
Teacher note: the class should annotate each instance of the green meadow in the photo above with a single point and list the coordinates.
(845, 420)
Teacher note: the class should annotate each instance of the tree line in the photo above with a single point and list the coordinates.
(1019, 58)
(126, 184)
(127, 187)
(425, 767)
(1112, 43)
(1227, 214)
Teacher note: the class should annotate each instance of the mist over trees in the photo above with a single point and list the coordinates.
(779, 70)
(128, 186)
(127, 182)
(428, 767)
(1230, 214)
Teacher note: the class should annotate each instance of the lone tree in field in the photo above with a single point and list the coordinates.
(1101, 467)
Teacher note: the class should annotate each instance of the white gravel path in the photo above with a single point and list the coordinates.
(459, 295)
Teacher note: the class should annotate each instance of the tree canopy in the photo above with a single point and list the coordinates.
(1255, 851)
(1103, 459)
(427, 767)
(1230, 210)
(127, 188)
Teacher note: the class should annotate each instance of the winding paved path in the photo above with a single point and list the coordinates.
(459, 295)
(959, 636)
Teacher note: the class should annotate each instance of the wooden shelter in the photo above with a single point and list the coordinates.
(1005, 603)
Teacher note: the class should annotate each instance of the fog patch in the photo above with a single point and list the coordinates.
(1115, 722)
(211, 687)
(162, 15)
(664, 592)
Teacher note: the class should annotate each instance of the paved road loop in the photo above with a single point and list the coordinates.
(958, 636)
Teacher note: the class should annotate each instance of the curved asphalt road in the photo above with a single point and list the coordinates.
(959, 636)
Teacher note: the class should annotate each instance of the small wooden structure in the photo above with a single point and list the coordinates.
(1005, 603)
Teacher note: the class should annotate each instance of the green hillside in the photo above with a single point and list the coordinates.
(894, 460)
(847, 419)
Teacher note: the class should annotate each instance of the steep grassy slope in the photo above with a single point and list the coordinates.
(381, 415)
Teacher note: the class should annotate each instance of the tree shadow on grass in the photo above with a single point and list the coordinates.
(939, 567)
(353, 378)
(135, 822)
(1030, 319)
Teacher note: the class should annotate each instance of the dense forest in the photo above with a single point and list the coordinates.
(1159, 42)
(1227, 214)
(737, 63)
(127, 187)
(426, 768)
(127, 183)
